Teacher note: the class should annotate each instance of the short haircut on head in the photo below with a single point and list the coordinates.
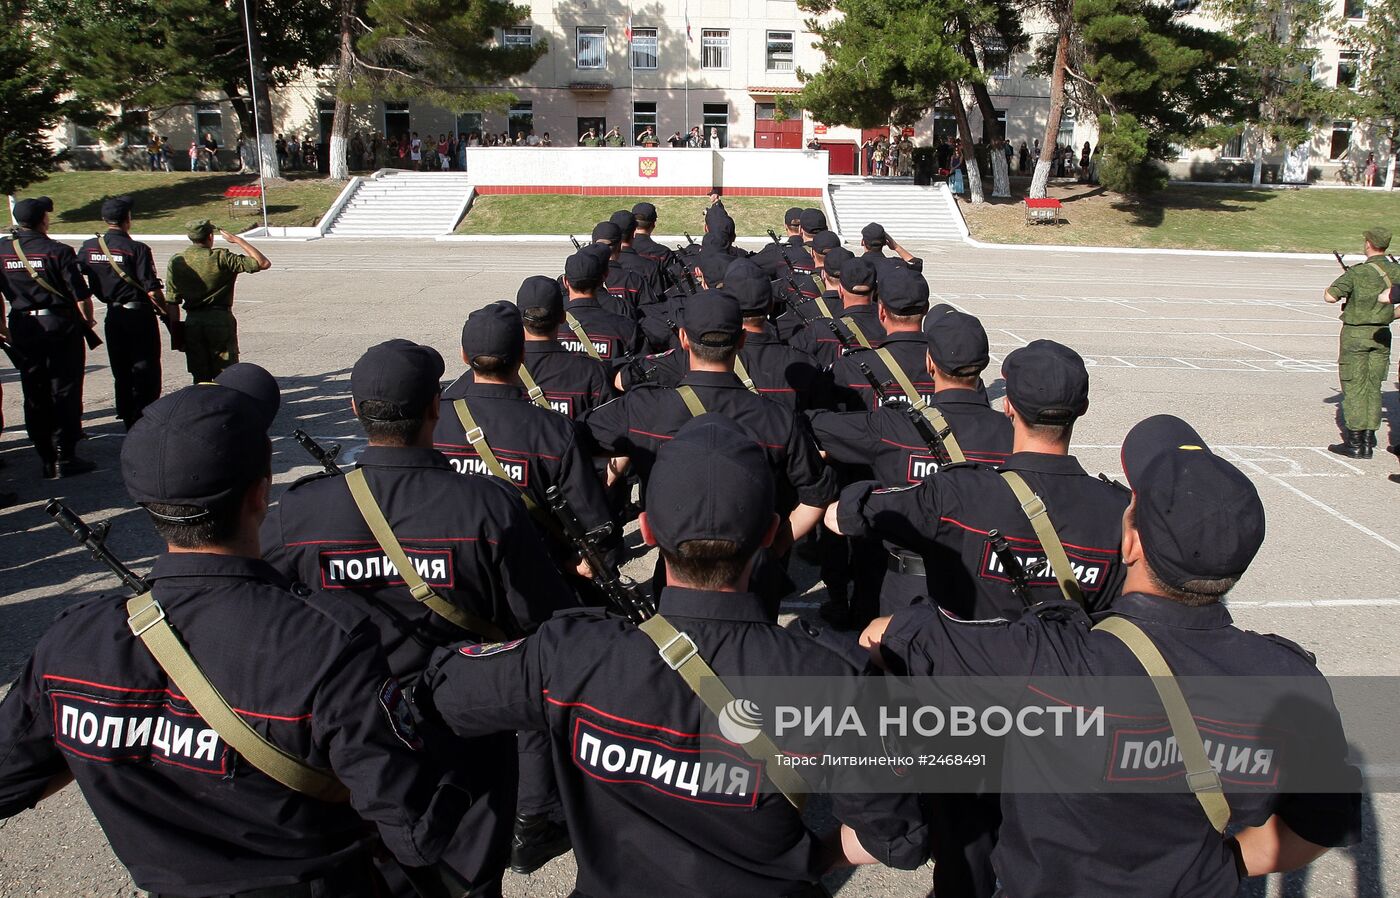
(213, 526)
(492, 365)
(385, 422)
(586, 284)
(909, 320)
(706, 563)
(1055, 433)
(1192, 593)
(715, 355)
(538, 321)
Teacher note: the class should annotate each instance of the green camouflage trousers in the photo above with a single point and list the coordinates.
(1362, 365)
(211, 342)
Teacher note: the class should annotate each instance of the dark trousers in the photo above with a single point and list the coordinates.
(539, 793)
(964, 833)
(52, 355)
(133, 349)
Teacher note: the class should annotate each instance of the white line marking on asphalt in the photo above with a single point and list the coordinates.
(1335, 513)
(1316, 603)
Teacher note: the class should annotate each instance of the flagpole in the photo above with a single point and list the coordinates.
(632, 90)
(687, 68)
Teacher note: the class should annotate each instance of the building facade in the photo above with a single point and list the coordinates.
(719, 65)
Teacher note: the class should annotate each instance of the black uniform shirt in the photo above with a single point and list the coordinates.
(55, 262)
(536, 447)
(617, 338)
(665, 827)
(817, 340)
(649, 269)
(946, 520)
(628, 286)
(1133, 843)
(637, 423)
(778, 371)
(132, 256)
(469, 538)
(184, 812)
(887, 440)
(909, 349)
(647, 248)
(572, 382)
(885, 264)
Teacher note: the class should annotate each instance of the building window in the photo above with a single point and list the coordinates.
(521, 119)
(714, 48)
(136, 128)
(1355, 9)
(1348, 68)
(591, 47)
(995, 60)
(778, 57)
(469, 123)
(643, 48)
(518, 36)
(765, 112)
(945, 124)
(643, 117)
(85, 137)
(1234, 147)
(209, 120)
(1065, 137)
(325, 115)
(397, 121)
(1341, 140)
(716, 119)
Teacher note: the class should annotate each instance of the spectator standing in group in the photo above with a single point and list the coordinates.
(415, 151)
(714, 141)
(589, 138)
(955, 169)
(613, 138)
(309, 153)
(194, 156)
(694, 140)
(906, 157)
(153, 152)
(165, 152)
(1025, 159)
(648, 138)
(1369, 173)
(444, 159)
(676, 141)
(814, 144)
(879, 155)
(1010, 155)
(1084, 156)
(211, 150)
(280, 147)
(545, 141)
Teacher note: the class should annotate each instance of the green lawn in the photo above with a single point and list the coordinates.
(165, 201)
(1219, 218)
(562, 214)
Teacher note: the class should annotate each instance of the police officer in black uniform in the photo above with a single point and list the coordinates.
(945, 519)
(469, 538)
(637, 423)
(50, 308)
(903, 302)
(186, 812)
(813, 313)
(858, 320)
(600, 687)
(811, 223)
(631, 289)
(615, 339)
(645, 246)
(570, 382)
(122, 273)
(633, 261)
(874, 238)
(1194, 525)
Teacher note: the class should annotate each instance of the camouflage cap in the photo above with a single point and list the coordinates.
(199, 229)
(1378, 237)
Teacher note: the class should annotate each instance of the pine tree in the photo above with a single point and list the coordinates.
(1276, 52)
(1378, 86)
(30, 88)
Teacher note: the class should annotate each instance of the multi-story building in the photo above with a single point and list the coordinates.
(719, 65)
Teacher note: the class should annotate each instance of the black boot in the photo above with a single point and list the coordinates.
(70, 465)
(1352, 445)
(537, 841)
(1368, 443)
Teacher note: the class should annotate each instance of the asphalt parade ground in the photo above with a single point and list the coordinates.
(1243, 348)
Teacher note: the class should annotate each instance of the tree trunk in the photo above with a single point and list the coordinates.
(1057, 109)
(1258, 159)
(974, 175)
(1001, 173)
(340, 125)
(262, 99)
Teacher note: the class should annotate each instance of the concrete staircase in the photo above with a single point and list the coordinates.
(404, 204)
(908, 211)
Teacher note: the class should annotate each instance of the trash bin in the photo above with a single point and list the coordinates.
(925, 165)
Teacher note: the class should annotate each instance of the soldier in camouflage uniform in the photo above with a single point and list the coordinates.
(201, 278)
(1368, 292)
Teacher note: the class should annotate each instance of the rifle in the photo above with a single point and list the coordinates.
(689, 240)
(792, 269)
(325, 457)
(933, 439)
(1020, 583)
(621, 592)
(687, 278)
(577, 245)
(94, 539)
(1338, 256)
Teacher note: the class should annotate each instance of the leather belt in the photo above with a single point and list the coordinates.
(43, 313)
(129, 305)
(902, 563)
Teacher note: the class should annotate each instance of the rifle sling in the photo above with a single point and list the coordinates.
(931, 413)
(130, 281)
(743, 373)
(38, 278)
(532, 389)
(1036, 512)
(582, 336)
(1201, 777)
(857, 332)
(692, 401)
(477, 437)
(147, 621)
(421, 591)
(680, 653)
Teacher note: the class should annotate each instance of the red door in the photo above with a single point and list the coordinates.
(841, 158)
